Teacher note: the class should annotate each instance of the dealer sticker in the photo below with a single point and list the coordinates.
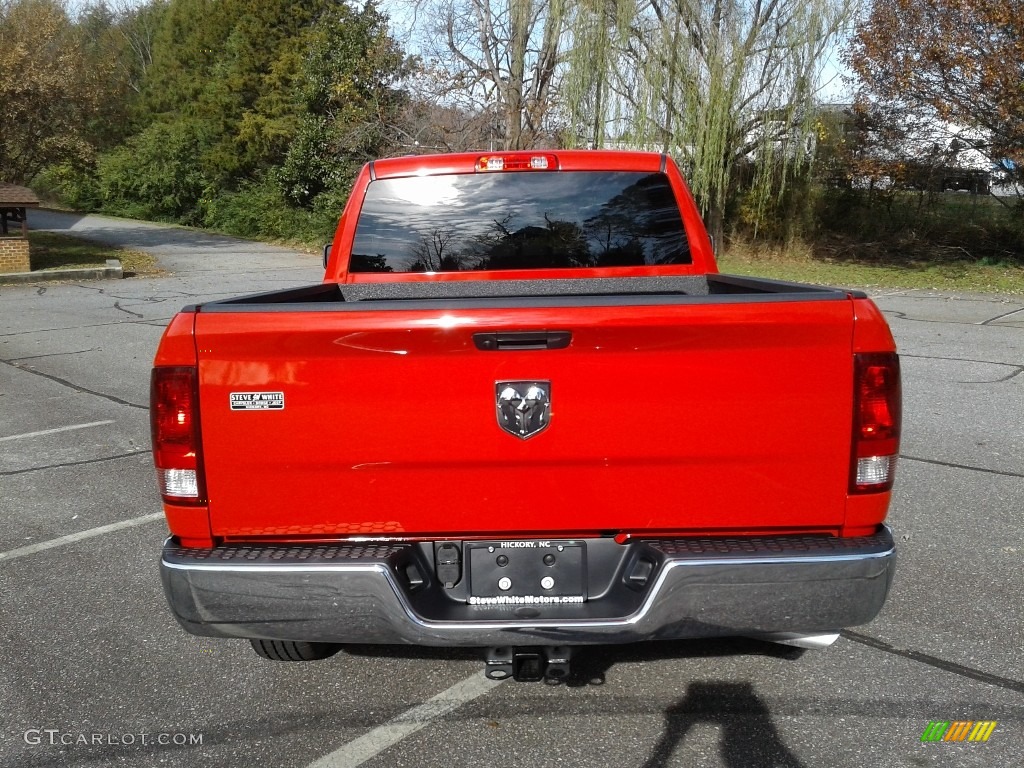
(257, 401)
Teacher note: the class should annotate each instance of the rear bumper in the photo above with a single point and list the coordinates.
(363, 593)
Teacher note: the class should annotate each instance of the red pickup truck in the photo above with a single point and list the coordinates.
(524, 412)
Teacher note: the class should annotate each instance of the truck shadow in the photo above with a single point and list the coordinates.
(747, 736)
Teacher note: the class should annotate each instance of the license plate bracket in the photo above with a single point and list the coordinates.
(528, 571)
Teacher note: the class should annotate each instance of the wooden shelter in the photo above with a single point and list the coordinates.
(14, 249)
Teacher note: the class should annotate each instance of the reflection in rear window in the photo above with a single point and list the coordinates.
(538, 220)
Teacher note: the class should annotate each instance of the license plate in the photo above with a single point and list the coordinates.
(526, 572)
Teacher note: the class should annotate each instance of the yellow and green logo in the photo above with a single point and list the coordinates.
(959, 730)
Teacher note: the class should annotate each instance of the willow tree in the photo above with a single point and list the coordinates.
(718, 84)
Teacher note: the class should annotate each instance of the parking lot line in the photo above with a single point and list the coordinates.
(54, 431)
(404, 725)
(71, 538)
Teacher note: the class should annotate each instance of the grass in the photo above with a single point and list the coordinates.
(828, 264)
(50, 250)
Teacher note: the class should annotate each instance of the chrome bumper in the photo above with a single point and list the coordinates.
(383, 592)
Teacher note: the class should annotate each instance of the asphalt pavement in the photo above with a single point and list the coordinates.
(95, 672)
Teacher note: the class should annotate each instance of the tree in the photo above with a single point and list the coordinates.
(349, 101)
(496, 60)
(251, 104)
(47, 95)
(137, 26)
(111, 66)
(935, 67)
(232, 65)
(424, 125)
(720, 84)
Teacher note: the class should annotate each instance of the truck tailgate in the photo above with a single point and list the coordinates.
(664, 417)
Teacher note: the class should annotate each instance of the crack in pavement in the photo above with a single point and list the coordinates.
(1017, 369)
(117, 305)
(951, 465)
(64, 328)
(51, 354)
(76, 387)
(903, 316)
(157, 299)
(131, 301)
(147, 321)
(961, 360)
(935, 661)
(140, 452)
(1002, 380)
(1000, 317)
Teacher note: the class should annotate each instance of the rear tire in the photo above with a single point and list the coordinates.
(288, 650)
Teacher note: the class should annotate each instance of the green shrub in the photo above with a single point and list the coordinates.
(156, 174)
(259, 210)
(73, 185)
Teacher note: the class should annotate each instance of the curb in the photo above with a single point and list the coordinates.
(112, 271)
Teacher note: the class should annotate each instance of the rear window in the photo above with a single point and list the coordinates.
(530, 220)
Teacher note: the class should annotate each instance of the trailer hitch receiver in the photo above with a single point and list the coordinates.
(528, 664)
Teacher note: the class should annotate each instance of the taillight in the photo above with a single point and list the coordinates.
(174, 417)
(522, 161)
(876, 421)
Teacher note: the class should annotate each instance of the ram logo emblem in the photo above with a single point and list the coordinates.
(524, 407)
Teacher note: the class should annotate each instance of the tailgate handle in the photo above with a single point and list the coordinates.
(522, 340)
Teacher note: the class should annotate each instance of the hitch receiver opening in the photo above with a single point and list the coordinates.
(528, 664)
